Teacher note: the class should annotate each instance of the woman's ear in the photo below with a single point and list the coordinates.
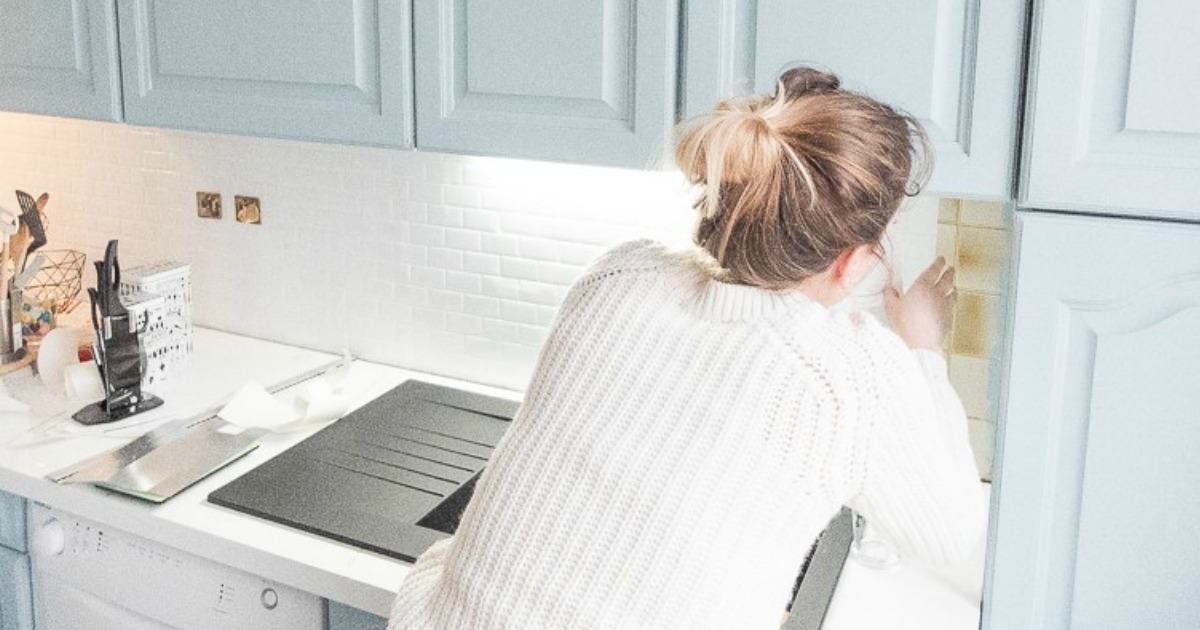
(853, 265)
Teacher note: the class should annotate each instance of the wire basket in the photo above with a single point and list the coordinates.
(59, 281)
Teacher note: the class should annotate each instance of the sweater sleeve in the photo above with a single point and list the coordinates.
(413, 600)
(921, 488)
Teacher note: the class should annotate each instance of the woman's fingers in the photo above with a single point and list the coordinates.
(946, 282)
(932, 272)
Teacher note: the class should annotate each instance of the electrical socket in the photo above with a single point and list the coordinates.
(247, 209)
(208, 205)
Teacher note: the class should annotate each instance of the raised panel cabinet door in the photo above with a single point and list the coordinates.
(327, 71)
(953, 64)
(1094, 507)
(59, 57)
(342, 617)
(589, 81)
(12, 521)
(1113, 122)
(16, 595)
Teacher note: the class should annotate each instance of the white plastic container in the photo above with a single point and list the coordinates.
(159, 298)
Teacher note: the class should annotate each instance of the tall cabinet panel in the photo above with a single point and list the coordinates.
(59, 57)
(1095, 510)
(954, 64)
(16, 598)
(1114, 123)
(590, 81)
(332, 71)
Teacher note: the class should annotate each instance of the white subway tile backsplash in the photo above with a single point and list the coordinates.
(482, 220)
(446, 300)
(539, 249)
(538, 293)
(446, 258)
(464, 240)
(481, 305)
(497, 286)
(501, 330)
(488, 264)
(429, 277)
(517, 311)
(521, 268)
(500, 244)
(445, 215)
(428, 234)
(462, 196)
(558, 273)
(449, 264)
(464, 324)
(463, 282)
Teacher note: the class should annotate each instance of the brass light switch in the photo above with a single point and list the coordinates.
(247, 210)
(208, 205)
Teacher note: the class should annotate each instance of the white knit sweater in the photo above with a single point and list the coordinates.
(681, 445)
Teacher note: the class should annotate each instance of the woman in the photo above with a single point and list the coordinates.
(696, 418)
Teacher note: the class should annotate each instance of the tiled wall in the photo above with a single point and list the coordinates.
(975, 237)
(446, 264)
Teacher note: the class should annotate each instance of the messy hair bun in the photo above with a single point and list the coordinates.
(791, 180)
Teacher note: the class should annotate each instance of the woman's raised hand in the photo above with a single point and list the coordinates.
(921, 315)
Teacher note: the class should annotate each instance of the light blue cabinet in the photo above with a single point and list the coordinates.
(16, 600)
(589, 81)
(12, 522)
(342, 617)
(954, 64)
(330, 71)
(1095, 508)
(1113, 124)
(59, 57)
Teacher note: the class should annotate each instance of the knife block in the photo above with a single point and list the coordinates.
(102, 411)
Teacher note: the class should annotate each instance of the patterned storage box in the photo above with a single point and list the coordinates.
(159, 298)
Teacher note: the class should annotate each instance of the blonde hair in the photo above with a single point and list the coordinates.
(791, 180)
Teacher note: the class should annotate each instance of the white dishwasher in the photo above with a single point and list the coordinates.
(88, 576)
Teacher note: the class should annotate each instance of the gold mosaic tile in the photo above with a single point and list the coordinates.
(976, 325)
(982, 434)
(948, 211)
(982, 259)
(970, 375)
(947, 237)
(991, 214)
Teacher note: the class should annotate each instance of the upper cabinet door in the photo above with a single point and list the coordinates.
(954, 64)
(1114, 121)
(1095, 505)
(330, 71)
(59, 57)
(588, 81)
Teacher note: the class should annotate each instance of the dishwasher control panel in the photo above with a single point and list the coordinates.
(81, 568)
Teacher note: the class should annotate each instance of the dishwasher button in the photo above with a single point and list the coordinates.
(270, 599)
(50, 539)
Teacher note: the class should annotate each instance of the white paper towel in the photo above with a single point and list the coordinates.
(254, 407)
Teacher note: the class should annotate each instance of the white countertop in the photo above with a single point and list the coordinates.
(908, 595)
(222, 363)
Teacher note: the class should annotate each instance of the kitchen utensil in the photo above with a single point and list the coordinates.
(32, 218)
(42, 202)
(23, 240)
(166, 460)
(12, 345)
(117, 352)
(29, 272)
(9, 222)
